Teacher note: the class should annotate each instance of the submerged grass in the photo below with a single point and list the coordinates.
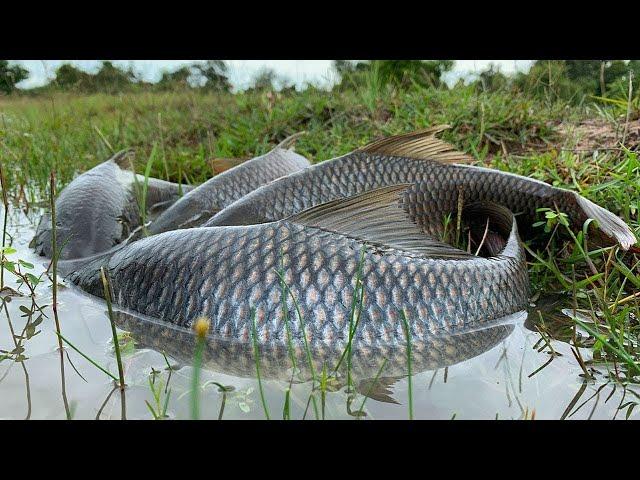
(256, 357)
(116, 343)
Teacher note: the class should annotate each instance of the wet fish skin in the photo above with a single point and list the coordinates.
(222, 273)
(434, 194)
(203, 202)
(238, 358)
(99, 209)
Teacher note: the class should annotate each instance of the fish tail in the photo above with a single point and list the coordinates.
(610, 224)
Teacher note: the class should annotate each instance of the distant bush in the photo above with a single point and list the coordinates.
(10, 75)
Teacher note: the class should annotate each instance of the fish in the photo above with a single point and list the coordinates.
(99, 209)
(441, 176)
(230, 357)
(203, 202)
(325, 260)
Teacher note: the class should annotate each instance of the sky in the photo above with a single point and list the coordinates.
(241, 72)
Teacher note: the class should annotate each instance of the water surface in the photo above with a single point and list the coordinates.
(486, 374)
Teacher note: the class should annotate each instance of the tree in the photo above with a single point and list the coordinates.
(406, 72)
(264, 80)
(111, 79)
(214, 74)
(69, 77)
(10, 75)
(491, 79)
(177, 79)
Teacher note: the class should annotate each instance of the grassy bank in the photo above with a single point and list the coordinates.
(502, 130)
(72, 133)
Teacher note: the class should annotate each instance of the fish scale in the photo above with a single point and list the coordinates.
(237, 358)
(202, 202)
(319, 220)
(434, 193)
(152, 278)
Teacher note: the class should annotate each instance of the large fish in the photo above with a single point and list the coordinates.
(439, 177)
(225, 273)
(100, 208)
(231, 357)
(203, 202)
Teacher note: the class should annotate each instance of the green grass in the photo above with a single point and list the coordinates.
(69, 133)
(502, 130)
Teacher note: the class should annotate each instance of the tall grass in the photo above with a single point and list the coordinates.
(116, 343)
(5, 216)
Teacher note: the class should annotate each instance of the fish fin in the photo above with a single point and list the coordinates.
(380, 389)
(609, 223)
(291, 140)
(421, 145)
(219, 165)
(124, 158)
(376, 217)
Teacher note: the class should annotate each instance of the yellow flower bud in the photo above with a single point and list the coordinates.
(201, 327)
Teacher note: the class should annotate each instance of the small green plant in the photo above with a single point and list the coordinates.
(159, 408)
(256, 356)
(114, 336)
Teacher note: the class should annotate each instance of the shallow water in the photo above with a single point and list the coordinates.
(477, 375)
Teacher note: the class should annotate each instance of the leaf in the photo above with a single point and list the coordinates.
(16, 351)
(31, 331)
(8, 250)
(25, 264)
(244, 407)
(11, 292)
(37, 321)
(33, 279)
(630, 410)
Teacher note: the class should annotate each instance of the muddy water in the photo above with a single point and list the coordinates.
(486, 374)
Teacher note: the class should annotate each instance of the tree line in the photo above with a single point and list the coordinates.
(572, 81)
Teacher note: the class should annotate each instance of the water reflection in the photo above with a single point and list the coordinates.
(486, 374)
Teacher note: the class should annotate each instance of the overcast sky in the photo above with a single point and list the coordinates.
(241, 71)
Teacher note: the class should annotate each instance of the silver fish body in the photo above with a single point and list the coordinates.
(231, 357)
(435, 191)
(99, 209)
(203, 202)
(225, 273)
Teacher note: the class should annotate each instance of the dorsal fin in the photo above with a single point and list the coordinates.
(421, 145)
(124, 158)
(291, 140)
(376, 217)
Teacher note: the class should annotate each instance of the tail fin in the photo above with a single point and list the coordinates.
(611, 225)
